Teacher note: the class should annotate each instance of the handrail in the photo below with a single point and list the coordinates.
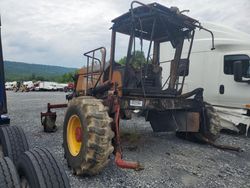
(91, 55)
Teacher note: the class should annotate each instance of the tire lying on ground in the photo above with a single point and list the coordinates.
(210, 132)
(37, 168)
(213, 121)
(8, 174)
(13, 142)
(87, 136)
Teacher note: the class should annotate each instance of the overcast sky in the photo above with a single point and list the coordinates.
(58, 32)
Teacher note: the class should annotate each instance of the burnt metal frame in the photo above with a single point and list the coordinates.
(101, 62)
(160, 103)
(174, 78)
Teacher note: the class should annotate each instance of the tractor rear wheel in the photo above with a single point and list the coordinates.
(87, 135)
(13, 142)
(8, 174)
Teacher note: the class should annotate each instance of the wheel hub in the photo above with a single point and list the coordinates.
(74, 135)
(78, 134)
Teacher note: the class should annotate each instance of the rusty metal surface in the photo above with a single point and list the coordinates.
(48, 119)
(94, 73)
(161, 104)
(117, 146)
(187, 121)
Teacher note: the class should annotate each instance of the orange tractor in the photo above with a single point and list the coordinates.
(106, 92)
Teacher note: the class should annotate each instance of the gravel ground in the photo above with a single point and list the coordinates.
(168, 161)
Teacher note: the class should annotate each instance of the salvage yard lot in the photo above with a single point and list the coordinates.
(168, 161)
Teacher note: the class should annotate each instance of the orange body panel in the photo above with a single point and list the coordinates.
(82, 79)
(117, 78)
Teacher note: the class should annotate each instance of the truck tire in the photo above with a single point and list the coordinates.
(37, 168)
(87, 136)
(213, 121)
(210, 129)
(8, 174)
(13, 142)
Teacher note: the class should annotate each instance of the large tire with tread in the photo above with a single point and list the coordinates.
(37, 168)
(95, 143)
(8, 174)
(213, 122)
(209, 130)
(13, 142)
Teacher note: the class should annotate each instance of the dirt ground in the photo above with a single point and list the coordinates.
(168, 161)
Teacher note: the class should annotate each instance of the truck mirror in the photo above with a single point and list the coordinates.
(237, 69)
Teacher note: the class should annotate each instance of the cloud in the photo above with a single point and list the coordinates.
(58, 32)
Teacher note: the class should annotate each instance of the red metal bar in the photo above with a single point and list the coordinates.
(51, 106)
(118, 154)
(126, 164)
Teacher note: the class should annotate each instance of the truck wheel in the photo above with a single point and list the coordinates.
(8, 174)
(87, 136)
(13, 142)
(37, 168)
(211, 132)
(213, 121)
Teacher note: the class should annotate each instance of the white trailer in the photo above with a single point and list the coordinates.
(46, 86)
(49, 86)
(224, 73)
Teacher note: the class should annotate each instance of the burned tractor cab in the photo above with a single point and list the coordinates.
(148, 26)
(139, 81)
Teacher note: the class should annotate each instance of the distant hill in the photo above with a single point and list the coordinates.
(25, 71)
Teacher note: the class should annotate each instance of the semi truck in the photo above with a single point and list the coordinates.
(223, 72)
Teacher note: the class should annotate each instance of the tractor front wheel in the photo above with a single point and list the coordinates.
(87, 135)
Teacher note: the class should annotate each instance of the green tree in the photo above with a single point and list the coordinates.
(137, 59)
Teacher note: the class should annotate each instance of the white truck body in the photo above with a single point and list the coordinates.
(213, 71)
(28, 84)
(50, 86)
(46, 86)
(10, 85)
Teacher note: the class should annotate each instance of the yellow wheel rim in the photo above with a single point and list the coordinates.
(74, 135)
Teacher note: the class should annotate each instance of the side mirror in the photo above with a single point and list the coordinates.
(238, 73)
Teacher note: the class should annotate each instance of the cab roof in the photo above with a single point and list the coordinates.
(170, 23)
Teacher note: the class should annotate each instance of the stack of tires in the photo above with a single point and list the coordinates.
(21, 167)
